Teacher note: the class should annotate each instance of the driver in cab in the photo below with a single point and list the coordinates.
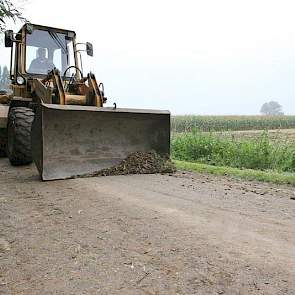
(41, 64)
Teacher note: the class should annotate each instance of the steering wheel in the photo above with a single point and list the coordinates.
(72, 78)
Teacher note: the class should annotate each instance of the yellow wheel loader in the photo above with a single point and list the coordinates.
(56, 115)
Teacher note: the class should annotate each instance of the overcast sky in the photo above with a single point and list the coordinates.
(191, 57)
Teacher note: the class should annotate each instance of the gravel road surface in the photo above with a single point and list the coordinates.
(144, 234)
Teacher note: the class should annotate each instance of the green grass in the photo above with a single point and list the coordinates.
(259, 159)
(259, 154)
(187, 123)
(245, 174)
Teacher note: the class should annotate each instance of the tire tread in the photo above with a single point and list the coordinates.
(20, 121)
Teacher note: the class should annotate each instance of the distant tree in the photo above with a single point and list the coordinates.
(4, 78)
(8, 10)
(271, 108)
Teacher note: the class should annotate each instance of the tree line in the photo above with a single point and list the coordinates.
(4, 77)
(8, 10)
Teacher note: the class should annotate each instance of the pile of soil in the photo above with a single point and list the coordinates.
(140, 163)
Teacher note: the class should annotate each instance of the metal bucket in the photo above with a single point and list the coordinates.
(70, 141)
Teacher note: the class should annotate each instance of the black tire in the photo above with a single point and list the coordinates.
(3, 143)
(19, 126)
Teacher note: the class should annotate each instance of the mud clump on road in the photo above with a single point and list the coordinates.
(140, 163)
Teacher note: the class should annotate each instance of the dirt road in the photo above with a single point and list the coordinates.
(144, 234)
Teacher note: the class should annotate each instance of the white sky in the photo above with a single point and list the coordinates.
(192, 57)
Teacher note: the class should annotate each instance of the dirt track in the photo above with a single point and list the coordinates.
(144, 234)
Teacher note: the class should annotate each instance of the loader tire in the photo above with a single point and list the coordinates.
(20, 121)
(3, 142)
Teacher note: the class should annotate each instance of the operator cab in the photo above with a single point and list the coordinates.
(46, 66)
(46, 50)
(36, 50)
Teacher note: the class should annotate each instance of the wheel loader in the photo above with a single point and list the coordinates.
(56, 115)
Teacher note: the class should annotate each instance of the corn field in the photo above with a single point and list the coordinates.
(188, 123)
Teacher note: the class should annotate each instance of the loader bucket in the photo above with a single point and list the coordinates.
(70, 141)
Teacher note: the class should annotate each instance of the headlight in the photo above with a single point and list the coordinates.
(20, 80)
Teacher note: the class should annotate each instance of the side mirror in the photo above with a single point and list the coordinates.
(89, 49)
(8, 39)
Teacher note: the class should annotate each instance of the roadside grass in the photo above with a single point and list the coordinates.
(259, 159)
(259, 153)
(244, 174)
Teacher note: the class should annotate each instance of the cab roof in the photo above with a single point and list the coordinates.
(46, 28)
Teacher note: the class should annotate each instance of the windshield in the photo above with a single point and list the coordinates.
(48, 49)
